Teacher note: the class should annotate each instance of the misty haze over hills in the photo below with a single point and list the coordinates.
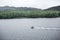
(27, 8)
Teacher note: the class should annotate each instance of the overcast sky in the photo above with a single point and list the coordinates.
(30, 3)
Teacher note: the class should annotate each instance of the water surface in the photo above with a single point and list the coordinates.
(20, 29)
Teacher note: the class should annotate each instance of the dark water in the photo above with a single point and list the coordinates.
(20, 29)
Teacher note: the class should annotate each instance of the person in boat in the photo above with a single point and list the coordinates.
(32, 27)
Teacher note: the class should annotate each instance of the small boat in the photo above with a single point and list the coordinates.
(32, 27)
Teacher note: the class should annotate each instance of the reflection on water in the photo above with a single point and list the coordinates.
(21, 29)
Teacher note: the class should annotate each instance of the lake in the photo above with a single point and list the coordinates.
(20, 29)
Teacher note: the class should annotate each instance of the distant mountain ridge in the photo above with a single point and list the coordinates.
(56, 8)
(17, 8)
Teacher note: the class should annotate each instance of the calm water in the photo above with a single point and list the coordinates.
(20, 29)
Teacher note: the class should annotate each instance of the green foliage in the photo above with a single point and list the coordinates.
(28, 14)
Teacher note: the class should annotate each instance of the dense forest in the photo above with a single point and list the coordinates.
(7, 12)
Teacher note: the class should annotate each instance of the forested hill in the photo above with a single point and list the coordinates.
(8, 12)
(56, 8)
(17, 8)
